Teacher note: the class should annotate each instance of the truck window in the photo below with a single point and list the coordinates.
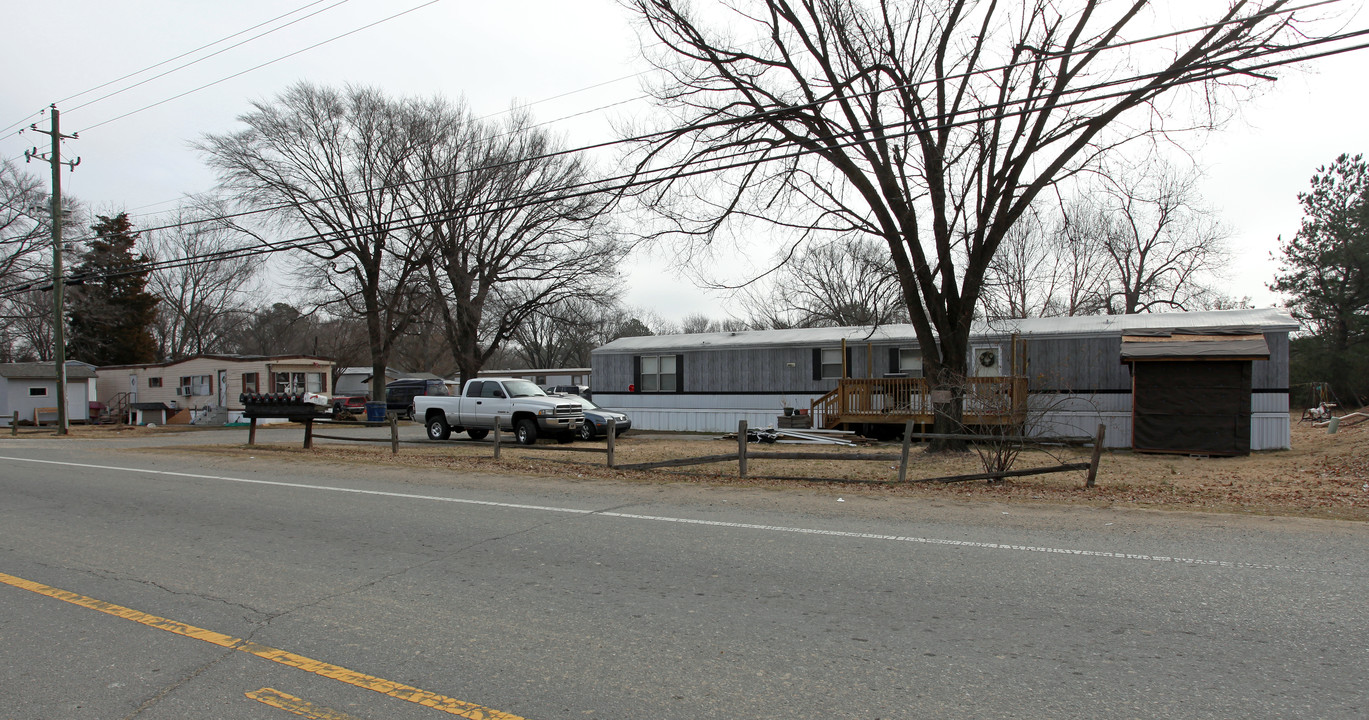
(473, 389)
(492, 390)
(523, 388)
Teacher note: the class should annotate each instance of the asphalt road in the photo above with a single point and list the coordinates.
(138, 582)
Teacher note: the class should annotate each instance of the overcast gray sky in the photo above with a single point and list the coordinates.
(493, 53)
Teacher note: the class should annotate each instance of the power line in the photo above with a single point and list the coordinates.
(736, 120)
(1224, 71)
(177, 57)
(984, 71)
(262, 65)
(201, 59)
(598, 186)
(197, 49)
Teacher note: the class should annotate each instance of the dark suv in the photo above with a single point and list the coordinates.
(399, 394)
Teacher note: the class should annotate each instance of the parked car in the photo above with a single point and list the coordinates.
(596, 419)
(400, 394)
(349, 405)
(506, 403)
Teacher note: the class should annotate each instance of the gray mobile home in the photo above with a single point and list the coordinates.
(1062, 375)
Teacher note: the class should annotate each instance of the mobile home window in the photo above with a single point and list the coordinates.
(196, 385)
(290, 382)
(154, 382)
(910, 362)
(314, 383)
(658, 373)
(831, 363)
(249, 382)
(38, 392)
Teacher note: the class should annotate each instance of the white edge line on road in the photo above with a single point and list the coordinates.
(715, 523)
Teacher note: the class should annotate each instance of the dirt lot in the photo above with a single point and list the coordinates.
(1324, 475)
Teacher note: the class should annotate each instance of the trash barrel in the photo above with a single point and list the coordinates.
(375, 412)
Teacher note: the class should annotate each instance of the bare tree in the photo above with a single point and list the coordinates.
(1161, 243)
(24, 224)
(835, 283)
(1021, 279)
(28, 325)
(1079, 257)
(25, 243)
(561, 334)
(929, 125)
(204, 288)
(330, 163)
(510, 225)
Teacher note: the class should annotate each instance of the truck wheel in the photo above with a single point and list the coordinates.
(477, 434)
(526, 432)
(437, 428)
(587, 430)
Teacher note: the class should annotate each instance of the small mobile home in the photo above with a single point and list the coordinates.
(1178, 380)
(204, 389)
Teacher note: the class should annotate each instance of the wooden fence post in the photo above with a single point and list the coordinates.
(308, 433)
(252, 431)
(1097, 455)
(496, 438)
(907, 446)
(741, 447)
(394, 433)
(612, 435)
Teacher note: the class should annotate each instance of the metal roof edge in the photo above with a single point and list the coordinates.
(1267, 319)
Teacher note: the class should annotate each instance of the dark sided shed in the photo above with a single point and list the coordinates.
(1191, 389)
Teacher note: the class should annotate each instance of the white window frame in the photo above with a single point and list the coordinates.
(38, 391)
(288, 382)
(831, 369)
(655, 376)
(910, 362)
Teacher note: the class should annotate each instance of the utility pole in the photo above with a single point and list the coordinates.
(59, 354)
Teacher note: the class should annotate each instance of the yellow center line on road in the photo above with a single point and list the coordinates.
(335, 672)
(298, 706)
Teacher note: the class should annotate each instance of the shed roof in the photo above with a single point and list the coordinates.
(46, 371)
(1261, 319)
(1186, 345)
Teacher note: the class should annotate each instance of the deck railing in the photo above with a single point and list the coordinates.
(897, 400)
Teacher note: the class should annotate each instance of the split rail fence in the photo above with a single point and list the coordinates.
(742, 455)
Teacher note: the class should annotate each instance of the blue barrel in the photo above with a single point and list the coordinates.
(375, 412)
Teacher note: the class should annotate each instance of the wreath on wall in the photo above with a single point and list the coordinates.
(988, 358)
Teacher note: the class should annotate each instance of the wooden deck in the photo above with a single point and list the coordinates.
(895, 401)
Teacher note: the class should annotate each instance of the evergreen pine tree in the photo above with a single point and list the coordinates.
(110, 313)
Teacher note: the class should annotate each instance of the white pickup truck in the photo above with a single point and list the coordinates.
(513, 404)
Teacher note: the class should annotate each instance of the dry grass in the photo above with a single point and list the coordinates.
(1324, 476)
